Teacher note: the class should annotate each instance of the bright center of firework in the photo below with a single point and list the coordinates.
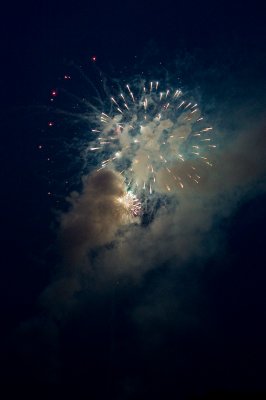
(131, 204)
(157, 139)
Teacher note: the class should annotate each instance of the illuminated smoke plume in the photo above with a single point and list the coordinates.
(96, 214)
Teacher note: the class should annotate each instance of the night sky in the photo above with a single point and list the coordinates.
(173, 307)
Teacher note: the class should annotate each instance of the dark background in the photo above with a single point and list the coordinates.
(103, 355)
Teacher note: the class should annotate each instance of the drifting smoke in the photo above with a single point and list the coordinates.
(93, 221)
(95, 215)
(100, 243)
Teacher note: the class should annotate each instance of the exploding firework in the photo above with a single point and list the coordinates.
(154, 135)
(131, 204)
(156, 139)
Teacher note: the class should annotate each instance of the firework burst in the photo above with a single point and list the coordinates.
(156, 139)
(152, 134)
(131, 204)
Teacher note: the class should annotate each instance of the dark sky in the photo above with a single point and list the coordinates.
(191, 327)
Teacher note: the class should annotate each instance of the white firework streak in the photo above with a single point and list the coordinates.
(154, 138)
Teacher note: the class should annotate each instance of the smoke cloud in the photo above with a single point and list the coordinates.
(100, 244)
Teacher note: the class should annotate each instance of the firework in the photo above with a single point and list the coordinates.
(131, 204)
(153, 135)
(156, 138)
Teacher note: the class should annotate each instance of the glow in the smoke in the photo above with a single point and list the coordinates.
(131, 204)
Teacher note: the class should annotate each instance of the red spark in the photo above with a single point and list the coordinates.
(93, 58)
(50, 123)
(54, 93)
